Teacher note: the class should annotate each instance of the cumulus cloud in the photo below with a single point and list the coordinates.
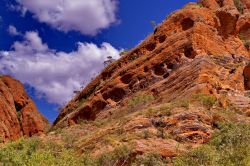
(86, 16)
(54, 74)
(13, 31)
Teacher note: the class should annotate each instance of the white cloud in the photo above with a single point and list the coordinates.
(17, 8)
(86, 16)
(13, 31)
(54, 74)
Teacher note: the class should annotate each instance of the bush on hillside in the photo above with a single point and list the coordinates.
(229, 146)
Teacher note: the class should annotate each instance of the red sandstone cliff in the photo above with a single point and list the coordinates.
(18, 113)
(203, 47)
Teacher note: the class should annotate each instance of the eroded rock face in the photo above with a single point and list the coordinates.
(200, 48)
(18, 113)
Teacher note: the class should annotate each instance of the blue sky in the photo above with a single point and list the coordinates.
(58, 53)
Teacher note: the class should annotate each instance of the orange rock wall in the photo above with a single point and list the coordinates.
(18, 113)
(174, 59)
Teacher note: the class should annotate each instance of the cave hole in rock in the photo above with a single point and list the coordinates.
(146, 69)
(246, 74)
(150, 46)
(115, 94)
(85, 113)
(187, 23)
(159, 69)
(166, 75)
(126, 79)
(155, 92)
(189, 52)
(170, 65)
(98, 105)
(245, 31)
(244, 35)
(18, 107)
(228, 24)
(232, 71)
(161, 38)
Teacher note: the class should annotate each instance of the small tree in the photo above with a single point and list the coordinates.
(109, 60)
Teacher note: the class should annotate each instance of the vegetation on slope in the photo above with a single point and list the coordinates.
(229, 146)
(86, 143)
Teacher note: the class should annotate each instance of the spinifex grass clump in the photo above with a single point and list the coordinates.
(33, 151)
(229, 146)
(140, 99)
(205, 99)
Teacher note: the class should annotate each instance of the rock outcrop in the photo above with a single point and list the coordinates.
(18, 113)
(202, 48)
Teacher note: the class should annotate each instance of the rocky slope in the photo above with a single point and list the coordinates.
(170, 93)
(203, 47)
(18, 113)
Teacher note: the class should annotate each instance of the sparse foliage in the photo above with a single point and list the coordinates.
(206, 100)
(229, 146)
(139, 99)
(124, 52)
(151, 159)
(118, 155)
(109, 60)
(34, 151)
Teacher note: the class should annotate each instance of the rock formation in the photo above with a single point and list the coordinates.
(202, 48)
(18, 113)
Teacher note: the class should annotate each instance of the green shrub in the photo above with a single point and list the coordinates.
(150, 112)
(151, 159)
(161, 133)
(204, 155)
(239, 6)
(140, 99)
(96, 123)
(182, 103)
(199, 5)
(118, 155)
(81, 102)
(205, 99)
(229, 146)
(166, 109)
(124, 52)
(233, 143)
(33, 151)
